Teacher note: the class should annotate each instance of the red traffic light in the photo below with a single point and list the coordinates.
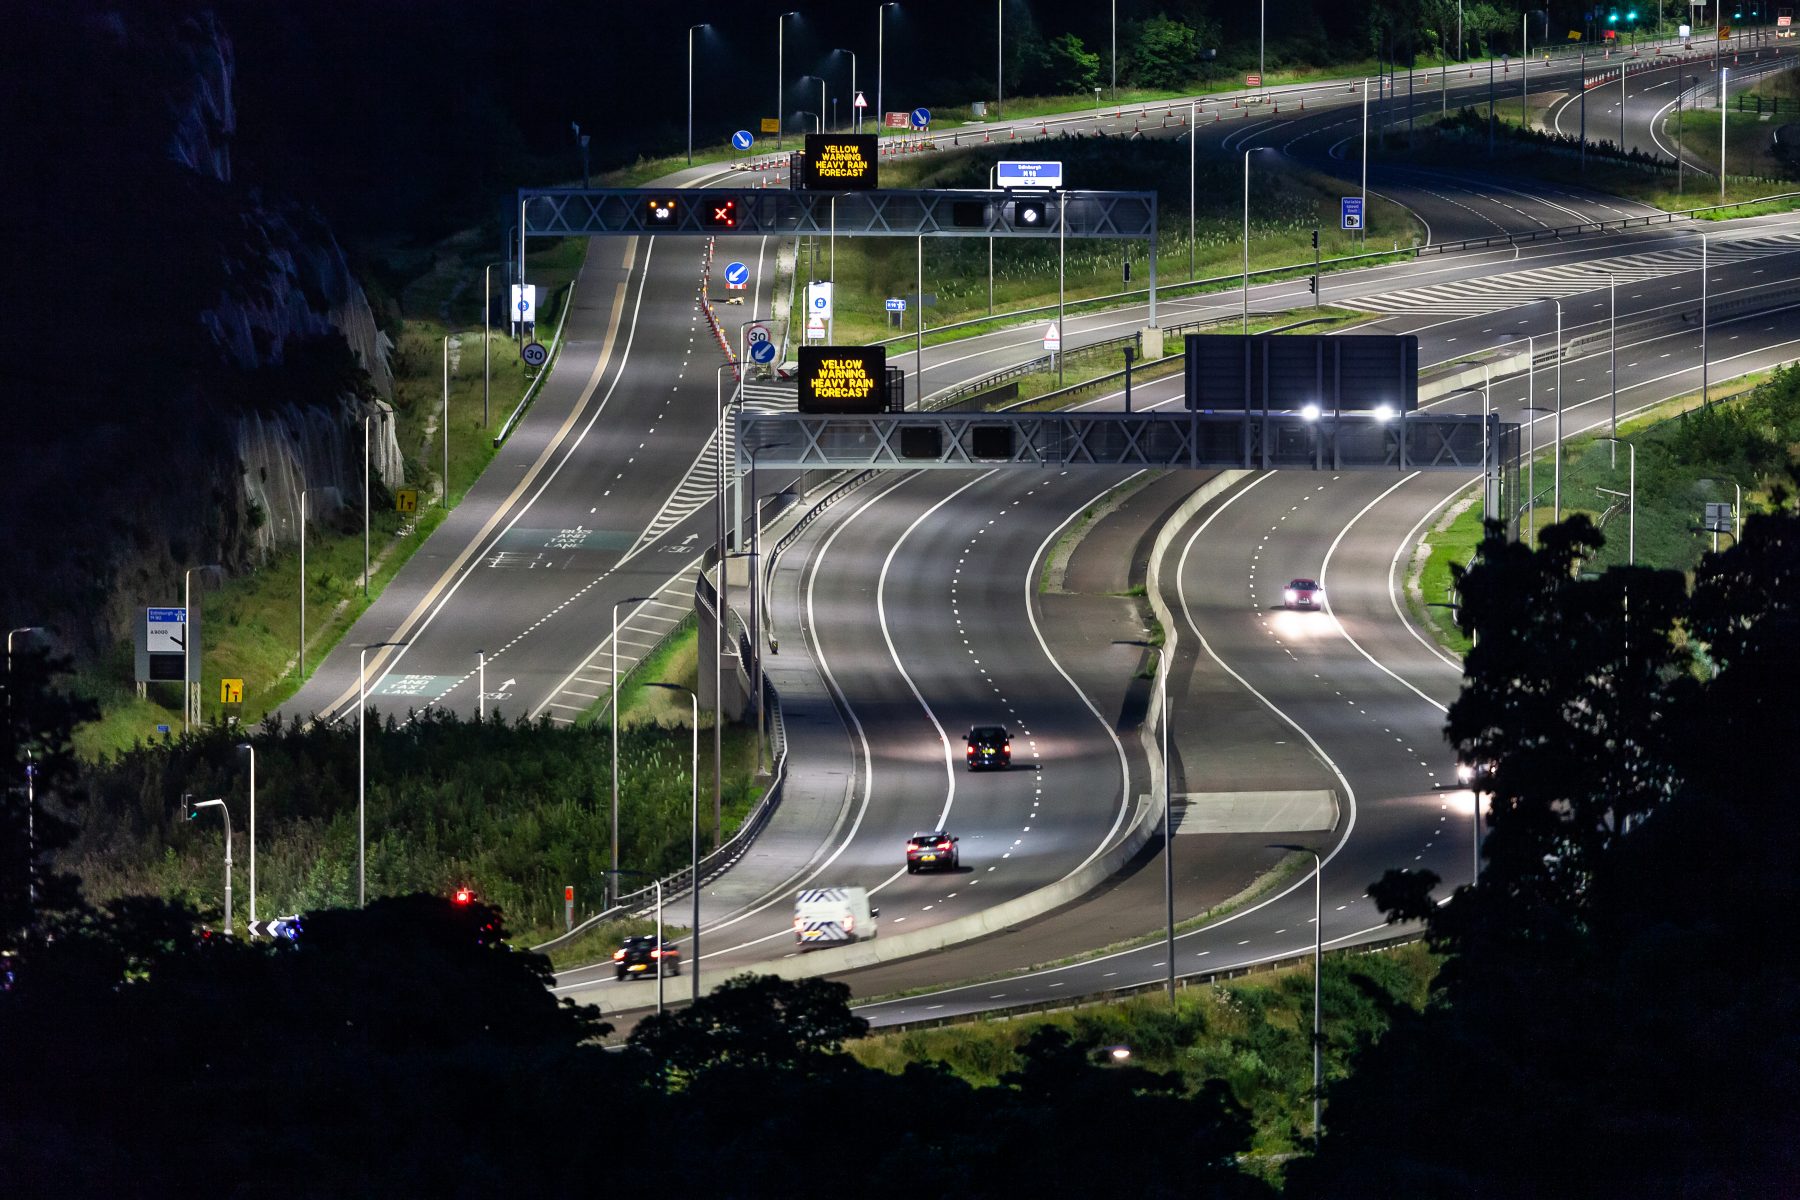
(465, 895)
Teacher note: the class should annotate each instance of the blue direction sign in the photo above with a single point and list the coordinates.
(741, 140)
(1350, 212)
(896, 304)
(921, 117)
(762, 352)
(736, 275)
(1028, 174)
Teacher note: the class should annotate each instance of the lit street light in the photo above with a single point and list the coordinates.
(694, 869)
(1318, 1033)
(362, 766)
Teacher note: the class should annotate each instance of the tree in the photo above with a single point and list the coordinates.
(1164, 54)
(1614, 1020)
(758, 1021)
(36, 723)
(1060, 66)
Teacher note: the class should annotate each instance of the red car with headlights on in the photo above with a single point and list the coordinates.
(1303, 593)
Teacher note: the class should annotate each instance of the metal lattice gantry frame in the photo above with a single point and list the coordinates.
(603, 212)
(1056, 215)
(1251, 440)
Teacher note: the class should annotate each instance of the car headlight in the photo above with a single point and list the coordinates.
(1290, 595)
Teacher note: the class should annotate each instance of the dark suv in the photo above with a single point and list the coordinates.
(641, 956)
(936, 850)
(989, 746)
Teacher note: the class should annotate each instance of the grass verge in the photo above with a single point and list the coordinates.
(1253, 1033)
(1287, 204)
(250, 623)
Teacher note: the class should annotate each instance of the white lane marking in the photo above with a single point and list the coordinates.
(1326, 565)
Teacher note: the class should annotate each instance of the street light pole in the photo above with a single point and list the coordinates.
(690, 131)
(362, 766)
(1363, 232)
(613, 703)
(880, 58)
(694, 876)
(855, 113)
(1705, 390)
(193, 812)
(999, 61)
(1557, 505)
(190, 696)
(446, 495)
(1630, 501)
(252, 750)
(1318, 1031)
(780, 69)
(1192, 138)
(1115, 50)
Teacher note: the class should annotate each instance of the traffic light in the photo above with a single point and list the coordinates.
(721, 214)
(1128, 270)
(465, 895)
(1315, 239)
(1030, 214)
(1312, 284)
(1612, 18)
(660, 211)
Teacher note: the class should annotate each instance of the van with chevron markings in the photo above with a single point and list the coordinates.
(831, 916)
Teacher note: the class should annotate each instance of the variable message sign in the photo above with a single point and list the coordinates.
(843, 379)
(840, 162)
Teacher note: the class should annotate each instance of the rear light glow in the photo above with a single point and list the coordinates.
(943, 845)
(849, 924)
(656, 954)
(618, 955)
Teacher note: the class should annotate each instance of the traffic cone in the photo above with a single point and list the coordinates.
(1012, 135)
(987, 137)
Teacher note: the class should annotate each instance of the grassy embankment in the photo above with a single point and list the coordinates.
(518, 811)
(1253, 1034)
(251, 622)
(1686, 458)
(1286, 205)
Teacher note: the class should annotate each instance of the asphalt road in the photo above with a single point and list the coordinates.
(919, 595)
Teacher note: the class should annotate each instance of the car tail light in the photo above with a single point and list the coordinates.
(849, 924)
(943, 845)
(656, 954)
(618, 955)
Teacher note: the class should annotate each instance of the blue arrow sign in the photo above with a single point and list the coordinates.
(1350, 212)
(741, 140)
(762, 352)
(921, 117)
(736, 274)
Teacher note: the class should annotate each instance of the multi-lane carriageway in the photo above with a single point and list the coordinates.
(917, 598)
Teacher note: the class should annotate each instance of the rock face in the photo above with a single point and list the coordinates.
(290, 281)
(228, 356)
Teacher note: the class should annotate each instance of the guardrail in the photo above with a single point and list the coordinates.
(1562, 231)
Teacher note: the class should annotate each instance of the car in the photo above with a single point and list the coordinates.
(642, 956)
(1303, 593)
(990, 746)
(935, 849)
(1474, 774)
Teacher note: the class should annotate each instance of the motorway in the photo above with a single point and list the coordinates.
(917, 599)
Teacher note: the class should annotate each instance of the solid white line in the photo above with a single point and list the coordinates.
(1325, 566)
(568, 454)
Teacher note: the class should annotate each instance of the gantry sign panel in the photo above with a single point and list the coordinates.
(710, 212)
(1249, 440)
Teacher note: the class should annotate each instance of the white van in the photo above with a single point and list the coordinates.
(831, 915)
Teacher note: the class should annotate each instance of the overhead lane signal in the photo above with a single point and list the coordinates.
(1030, 214)
(661, 211)
(721, 214)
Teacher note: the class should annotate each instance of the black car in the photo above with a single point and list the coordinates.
(641, 956)
(989, 746)
(936, 850)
